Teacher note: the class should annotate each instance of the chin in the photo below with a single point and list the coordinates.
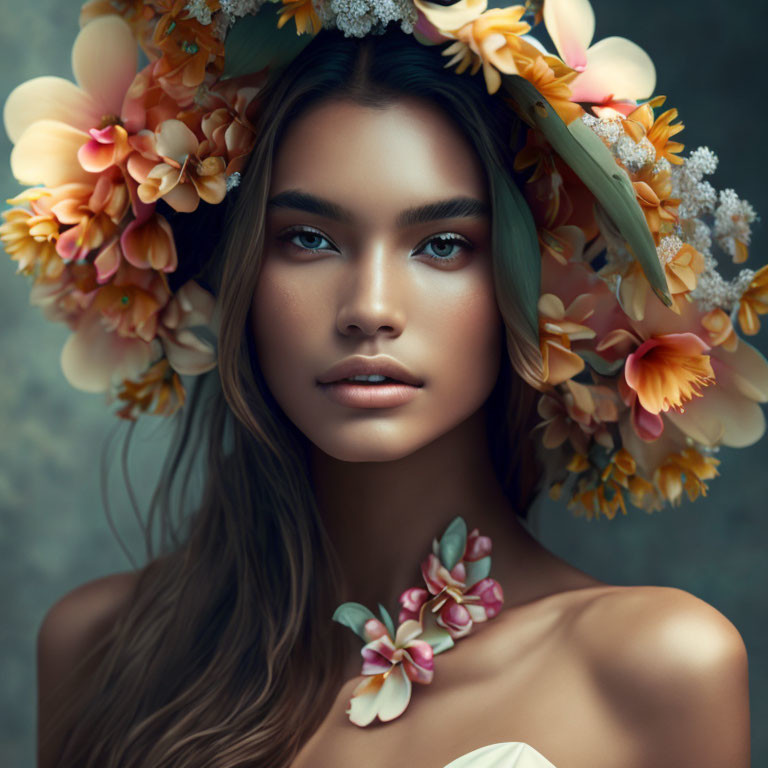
(373, 447)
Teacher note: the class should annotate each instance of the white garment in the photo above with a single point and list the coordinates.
(508, 754)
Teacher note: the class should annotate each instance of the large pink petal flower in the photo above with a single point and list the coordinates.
(617, 69)
(571, 25)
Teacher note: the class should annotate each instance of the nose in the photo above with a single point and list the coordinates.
(372, 296)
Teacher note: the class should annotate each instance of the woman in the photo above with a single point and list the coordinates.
(220, 651)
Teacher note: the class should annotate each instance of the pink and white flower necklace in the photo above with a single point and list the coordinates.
(459, 594)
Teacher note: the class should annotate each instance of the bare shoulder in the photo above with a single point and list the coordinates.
(673, 669)
(80, 616)
(71, 628)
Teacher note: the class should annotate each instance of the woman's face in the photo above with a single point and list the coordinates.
(360, 262)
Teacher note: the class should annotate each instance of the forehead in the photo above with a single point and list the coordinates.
(377, 161)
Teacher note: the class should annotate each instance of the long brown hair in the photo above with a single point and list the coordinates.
(226, 654)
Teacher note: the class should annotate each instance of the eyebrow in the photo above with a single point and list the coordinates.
(452, 208)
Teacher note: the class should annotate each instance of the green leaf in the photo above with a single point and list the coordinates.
(599, 364)
(594, 164)
(387, 619)
(438, 638)
(517, 255)
(255, 42)
(354, 616)
(453, 543)
(477, 570)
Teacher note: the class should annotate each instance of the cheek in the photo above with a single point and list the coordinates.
(283, 318)
(470, 341)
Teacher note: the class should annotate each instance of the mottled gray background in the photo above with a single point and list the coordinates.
(53, 531)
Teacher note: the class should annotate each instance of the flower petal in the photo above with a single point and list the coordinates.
(188, 354)
(571, 25)
(48, 98)
(175, 140)
(721, 417)
(394, 695)
(406, 632)
(364, 701)
(92, 358)
(46, 153)
(744, 370)
(453, 16)
(616, 69)
(104, 60)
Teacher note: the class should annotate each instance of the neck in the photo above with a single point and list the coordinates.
(382, 516)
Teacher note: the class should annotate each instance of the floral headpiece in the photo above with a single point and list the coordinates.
(643, 374)
(459, 594)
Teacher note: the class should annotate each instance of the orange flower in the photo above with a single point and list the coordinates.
(754, 302)
(653, 192)
(303, 13)
(640, 123)
(719, 329)
(188, 49)
(682, 265)
(132, 301)
(666, 370)
(604, 493)
(160, 385)
(551, 78)
(685, 471)
(558, 328)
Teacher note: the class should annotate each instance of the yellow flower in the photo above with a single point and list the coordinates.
(685, 471)
(491, 40)
(30, 240)
(303, 13)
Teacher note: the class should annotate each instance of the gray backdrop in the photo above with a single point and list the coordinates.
(53, 531)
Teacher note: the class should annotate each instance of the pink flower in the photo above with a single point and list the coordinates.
(390, 666)
(456, 605)
(172, 167)
(613, 72)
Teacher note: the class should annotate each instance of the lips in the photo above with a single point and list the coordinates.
(362, 365)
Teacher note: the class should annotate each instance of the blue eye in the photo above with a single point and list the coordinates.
(312, 241)
(448, 247)
(445, 248)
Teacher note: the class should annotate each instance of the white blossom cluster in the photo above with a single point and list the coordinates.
(235, 9)
(199, 10)
(704, 215)
(732, 219)
(357, 18)
(231, 10)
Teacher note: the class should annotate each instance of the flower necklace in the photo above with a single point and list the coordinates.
(459, 594)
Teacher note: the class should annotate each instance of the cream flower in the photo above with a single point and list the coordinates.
(48, 118)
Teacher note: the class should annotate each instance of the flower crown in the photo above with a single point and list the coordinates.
(637, 393)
